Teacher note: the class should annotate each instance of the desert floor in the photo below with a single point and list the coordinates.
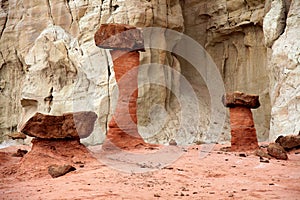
(192, 172)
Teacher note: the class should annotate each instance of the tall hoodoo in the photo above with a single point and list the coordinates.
(124, 42)
(243, 132)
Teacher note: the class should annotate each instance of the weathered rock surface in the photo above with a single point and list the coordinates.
(284, 67)
(60, 170)
(70, 125)
(277, 151)
(235, 99)
(289, 141)
(274, 22)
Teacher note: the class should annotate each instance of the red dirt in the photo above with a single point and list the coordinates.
(220, 175)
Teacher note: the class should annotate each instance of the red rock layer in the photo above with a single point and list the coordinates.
(123, 131)
(243, 133)
(45, 152)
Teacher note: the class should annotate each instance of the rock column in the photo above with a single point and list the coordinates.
(125, 43)
(243, 133)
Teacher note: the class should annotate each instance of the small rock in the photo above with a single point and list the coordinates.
(170, 168)
(277, 151)
(225, 149)
(242, 155)
(263, 146)
(185, 189)
(263, 160)
(20, 153)
(173, 142)
(77, 161)
(244, 189)
(262, 153)
(59, 170)
(156, 195)
(17, 135)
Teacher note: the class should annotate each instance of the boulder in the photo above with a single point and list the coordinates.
(69, 125)
(59, 170)
(289, 141)
(240, 99)
(20, 153)
(261, 153)
(277, 151)
(119, 36)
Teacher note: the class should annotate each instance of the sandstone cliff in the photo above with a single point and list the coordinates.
(48, 60)
(284, 66)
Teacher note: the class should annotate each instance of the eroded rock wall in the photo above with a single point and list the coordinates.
(231, 31)
(283, 38)
(49, 60)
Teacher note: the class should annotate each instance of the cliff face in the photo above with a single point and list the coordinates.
(232, 33)
(48, 60)
(284, 66)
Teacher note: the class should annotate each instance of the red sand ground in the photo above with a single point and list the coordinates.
(220, 175)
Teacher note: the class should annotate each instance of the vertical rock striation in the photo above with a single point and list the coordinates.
(284, 67)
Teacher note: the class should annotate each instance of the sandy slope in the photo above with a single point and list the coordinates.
(220, 175)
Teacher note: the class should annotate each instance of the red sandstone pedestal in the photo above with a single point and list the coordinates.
(243, 133)
(125, 42)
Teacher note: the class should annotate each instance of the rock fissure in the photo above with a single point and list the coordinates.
(50, 11)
